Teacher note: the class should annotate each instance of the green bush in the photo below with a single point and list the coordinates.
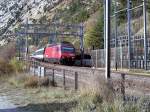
(82, 16)
(16, 65)
(94, 34)
(5, 67)
(75, 6)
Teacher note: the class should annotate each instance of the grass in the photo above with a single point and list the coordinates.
(39, 91)
(96, 103)
(11, 67)
(5, 67)
(8, 63)
(43, 96)
(138, 72)
(16, 65)
(28, 81)
(51, 99)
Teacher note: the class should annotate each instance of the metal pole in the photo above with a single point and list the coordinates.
(107, 20)
(145, 34)
(96, 59)
(76, 80)
(129, 32)
(81, 44)
(116, 35)
(104, 6)
(64, 79)
(121, 54)
(53, 77)
(123, 86)
(26, 55)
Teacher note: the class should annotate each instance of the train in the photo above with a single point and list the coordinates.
(59, 53)
(38, 55)
(63, 53)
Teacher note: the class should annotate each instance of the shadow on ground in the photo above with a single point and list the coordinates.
(49, 107)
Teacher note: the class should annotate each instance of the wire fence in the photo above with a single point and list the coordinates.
(130, 39)
(120, 59)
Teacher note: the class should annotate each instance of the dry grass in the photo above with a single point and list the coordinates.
(102, 98)
(34, 82)
(88, 99)
(7, 52)
(26, 81)
(31, 82)
(17, 65)
(9, 64)
(11, 67)
(136, 72)
(94, 102)
(5, 68)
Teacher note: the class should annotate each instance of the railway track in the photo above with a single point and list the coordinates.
(138, 83)
(136, 72)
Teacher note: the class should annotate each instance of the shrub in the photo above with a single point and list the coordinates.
(5, 68)
(24, 80)
(44, 82)
(94, 34)
(7, 52)
(17, 65)
(18, 80)
(9, 64)
(31, 82)
(82, 16)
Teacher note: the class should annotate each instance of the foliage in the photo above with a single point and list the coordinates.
(123, 15)
(75, 6)
(94, 35)
(90, 101)
(148, 6)
(82, 16)
(31, 82)
(43, 20)
(17, 65)
(79, 11)
(27, 81)
(13, 66)
(85, 100)
(5, 67)
(6, 54)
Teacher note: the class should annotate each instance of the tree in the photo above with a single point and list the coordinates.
(94, 35)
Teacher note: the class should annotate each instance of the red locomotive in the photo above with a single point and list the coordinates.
(61, 53)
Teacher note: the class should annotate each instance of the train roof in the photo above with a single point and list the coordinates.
(61, 43)
(41, 49)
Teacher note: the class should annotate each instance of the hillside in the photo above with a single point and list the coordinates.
(38, 11)
(15, 12)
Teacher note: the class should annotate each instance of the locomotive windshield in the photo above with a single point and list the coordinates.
(68, 49)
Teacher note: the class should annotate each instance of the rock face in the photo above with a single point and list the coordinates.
(15, 11)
